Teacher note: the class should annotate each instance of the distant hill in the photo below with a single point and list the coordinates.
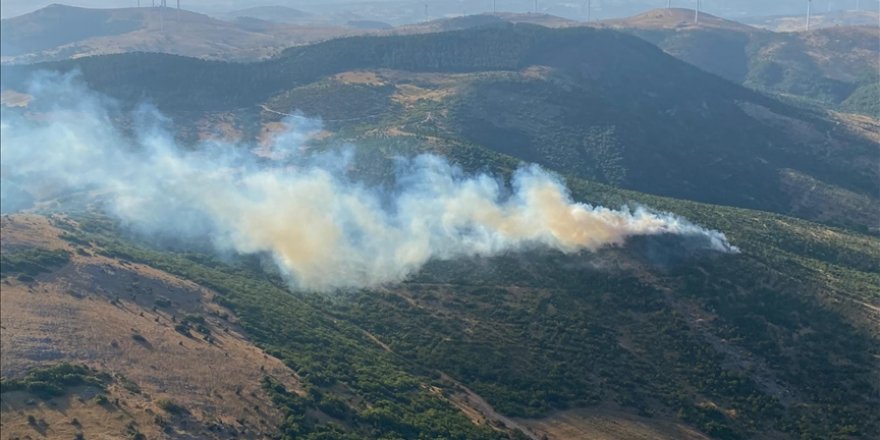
(58, 25)
(824, 65)
(368, 24)
(61, 32)
(675, 19)
(796, 23)
(478, 20)
(274, 13)
(592, 103)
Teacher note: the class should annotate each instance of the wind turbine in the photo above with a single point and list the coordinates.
(697, 13)
(809, 13)
(162, 5)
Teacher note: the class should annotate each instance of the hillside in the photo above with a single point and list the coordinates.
(551, 96)
(275, 13)
(675, 19)
(618, 344)
(479, 20)
(825, 65)
(655, 336)
(61, 32)
(787, 23)
(124, 320)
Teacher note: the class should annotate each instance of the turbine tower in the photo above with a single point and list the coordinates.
(668, 4)
(809, 13)
(697, 12)
(162, 5)
(588, 6)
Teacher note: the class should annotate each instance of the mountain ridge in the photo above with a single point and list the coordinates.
(582, 81)
(78, 32)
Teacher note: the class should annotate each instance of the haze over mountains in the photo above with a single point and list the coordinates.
(59, 32)
(400, 12)
(834, 66)
(349, 238)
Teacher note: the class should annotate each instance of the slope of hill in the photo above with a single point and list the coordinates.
(163, 339)
(593, 103)
(824, 65)
(60, 32)
(478, 20)
(57, 25)
(649, 339)
(275, 13)
(787, 23)
(675, 19)
(662, 343)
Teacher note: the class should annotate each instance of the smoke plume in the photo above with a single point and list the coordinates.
(325, 230)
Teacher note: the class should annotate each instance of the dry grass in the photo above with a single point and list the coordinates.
(88, 311)
(608, 424)
(860, 125)
(796, 23)
(78, 412)
(675, 18)
(219, 126)
(360, 77)
(408, 94)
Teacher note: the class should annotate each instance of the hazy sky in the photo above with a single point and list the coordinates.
(602, 8)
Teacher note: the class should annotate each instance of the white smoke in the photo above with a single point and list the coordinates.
(323, 229)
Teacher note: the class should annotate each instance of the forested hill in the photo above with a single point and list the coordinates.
(174, 82)
(59, 32)
(602, 105)
(832, 66)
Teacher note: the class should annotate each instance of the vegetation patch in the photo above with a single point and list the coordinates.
(172, 407)
(28, 263)
(55, 380)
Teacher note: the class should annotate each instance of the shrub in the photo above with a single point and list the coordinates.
(172, 407)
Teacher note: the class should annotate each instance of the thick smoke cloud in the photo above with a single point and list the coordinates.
(323, 229)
